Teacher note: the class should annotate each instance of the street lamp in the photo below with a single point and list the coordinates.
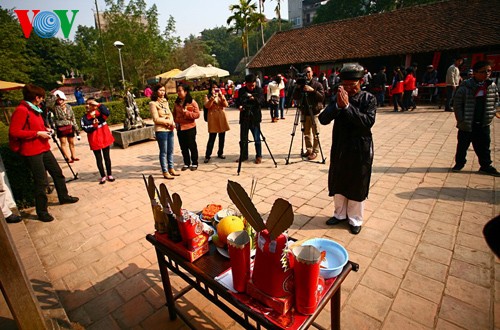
(119, 45)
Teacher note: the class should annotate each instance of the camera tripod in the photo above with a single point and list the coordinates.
(304, 105)
(244, 144)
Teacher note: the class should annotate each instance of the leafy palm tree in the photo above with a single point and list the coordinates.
(277, 11)
(244, 18)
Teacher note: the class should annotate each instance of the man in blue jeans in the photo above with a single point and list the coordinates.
(249, 102)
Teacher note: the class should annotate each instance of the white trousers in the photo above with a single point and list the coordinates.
(3, 200)
(348, 209)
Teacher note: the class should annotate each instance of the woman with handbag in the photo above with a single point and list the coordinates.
(66, 127)
(273, 97)
(164, 129)
(99, 136)
(215, 102)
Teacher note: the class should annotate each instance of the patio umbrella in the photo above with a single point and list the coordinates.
(168, 74)
(216, 72)
(193, 72)
(9, 86)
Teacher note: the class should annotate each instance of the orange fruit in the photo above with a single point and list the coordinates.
(227, 226)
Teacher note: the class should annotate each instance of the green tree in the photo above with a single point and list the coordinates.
(225, 46)
(243, 19)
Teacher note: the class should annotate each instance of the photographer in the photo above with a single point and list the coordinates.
(249, 102)
(314, 96)
(353, 112)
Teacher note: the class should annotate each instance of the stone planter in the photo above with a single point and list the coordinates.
(123, 138)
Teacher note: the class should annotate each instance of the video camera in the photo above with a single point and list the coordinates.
(300, 77)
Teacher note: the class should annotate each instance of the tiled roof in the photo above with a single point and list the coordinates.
(447, 25)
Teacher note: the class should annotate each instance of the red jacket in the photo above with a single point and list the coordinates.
(186, 120)
(410, 82)
(98, 134)
(24, 125)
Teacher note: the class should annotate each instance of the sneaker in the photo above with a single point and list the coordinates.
(490, 170)
(45, 217)
(102, 180)
(111, 178)
(457, 168)
(69, 200)
(185, 167)
(194, 167)
(258, 160)
(13, 218)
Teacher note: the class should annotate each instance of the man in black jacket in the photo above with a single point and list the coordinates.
(314, 94)
(351, 156)
(249, 102)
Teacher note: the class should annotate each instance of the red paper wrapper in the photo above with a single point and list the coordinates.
(306, 273)
(239, 254)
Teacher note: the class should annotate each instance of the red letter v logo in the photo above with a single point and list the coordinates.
(26, 25)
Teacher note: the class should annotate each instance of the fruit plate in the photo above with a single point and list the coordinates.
(225, 252)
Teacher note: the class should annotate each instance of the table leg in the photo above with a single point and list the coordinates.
(335, 310)
(167, 287)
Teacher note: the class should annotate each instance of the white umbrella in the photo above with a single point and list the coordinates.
(193, 72)
(216, 72)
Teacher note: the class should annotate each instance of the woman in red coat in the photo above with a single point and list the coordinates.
(99, 136)
(409, 86)
(397, 89)
(28, 128)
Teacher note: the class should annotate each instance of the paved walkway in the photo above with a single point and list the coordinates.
(423, 261)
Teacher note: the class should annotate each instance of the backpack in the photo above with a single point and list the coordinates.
(15, 143)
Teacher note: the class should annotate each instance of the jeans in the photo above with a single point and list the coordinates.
(480, 139)
(39, 166)
(380, 98)
(189, 148)
(274, 110)
(255, 129)
(166, 143)
(282, 107)
(211, 142)
(107, 161)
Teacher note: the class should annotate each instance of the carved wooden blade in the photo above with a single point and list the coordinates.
(151, 187)
(240, 198)
(165, 196)
(280, 218)
(177, 205)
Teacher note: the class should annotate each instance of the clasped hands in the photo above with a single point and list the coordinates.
(342, 98)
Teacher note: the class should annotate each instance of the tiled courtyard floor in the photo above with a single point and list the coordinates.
(423, 261)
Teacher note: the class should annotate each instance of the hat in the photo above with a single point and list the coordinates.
(352, 72)
(430, 66)
(60, 95)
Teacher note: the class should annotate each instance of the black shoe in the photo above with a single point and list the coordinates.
(185, 167)
(45, 217)
(13, 218)
(194, 167)
(207, 159)
(457, 167)
(69, 200)
(354, 229)
(490, 170)
(221, 157)
(333, 221)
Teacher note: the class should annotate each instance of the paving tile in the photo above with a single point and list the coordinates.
(472, 256)
(132, 312)
(468, 292)
(434, 252)
(370, 302)
(415, 308)
(410, 225)
(381, 282)
(415, 215)
(354, 319)
(423, 286)
(160, 320)
(398, 249)
(363, 246)
(404, 236)
(392, 265)
(439, 239)
(396, 321)
(103, 305)
(471, 273)
(445, 325)
(473, 242)
(441, 227)
(463, 314)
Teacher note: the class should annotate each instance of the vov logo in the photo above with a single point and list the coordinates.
(46, 23)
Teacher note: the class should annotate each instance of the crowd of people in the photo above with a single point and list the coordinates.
(349, 98)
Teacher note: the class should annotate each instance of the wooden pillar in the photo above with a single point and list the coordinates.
(15, 285)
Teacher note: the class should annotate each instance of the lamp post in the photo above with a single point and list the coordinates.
(119, 45)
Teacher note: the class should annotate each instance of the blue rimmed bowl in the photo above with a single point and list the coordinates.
(336, 256)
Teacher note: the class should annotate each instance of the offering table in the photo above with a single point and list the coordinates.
(205, 269)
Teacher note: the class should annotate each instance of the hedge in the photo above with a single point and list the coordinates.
(20, 178)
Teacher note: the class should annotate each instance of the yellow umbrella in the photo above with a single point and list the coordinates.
(168, 74)
(9, 86)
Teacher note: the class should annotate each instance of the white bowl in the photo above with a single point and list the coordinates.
(336, 256)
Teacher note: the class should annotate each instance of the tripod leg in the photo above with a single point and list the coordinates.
(243, 144)
(294, 129)
(316, 133)
(75, 175)
(267, 146)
